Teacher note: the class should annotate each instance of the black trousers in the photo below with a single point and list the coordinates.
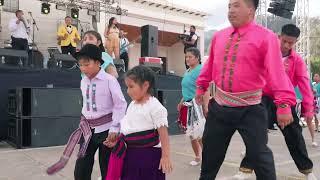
(293, 137)
(125, 58)
(251, 123)
(84, 166)
(185, 62)
(19, 43)
(68, 49)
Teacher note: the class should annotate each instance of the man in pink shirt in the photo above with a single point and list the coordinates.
(297, 72)
(243, 59)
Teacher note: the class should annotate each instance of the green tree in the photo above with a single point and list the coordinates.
(315, 65)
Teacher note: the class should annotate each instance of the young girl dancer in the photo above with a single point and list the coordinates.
(142, 151)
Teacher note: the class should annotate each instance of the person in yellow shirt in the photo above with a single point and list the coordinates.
(68, 37)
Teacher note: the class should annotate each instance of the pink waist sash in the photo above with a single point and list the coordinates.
(85, 130)
(238, 99)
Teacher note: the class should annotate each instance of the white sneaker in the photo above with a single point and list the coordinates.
(194, 163)
(311, 176)
(314, 144)
(242, 176)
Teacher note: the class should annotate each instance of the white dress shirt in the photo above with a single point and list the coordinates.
(18, 30)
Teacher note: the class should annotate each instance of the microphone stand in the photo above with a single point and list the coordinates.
(34, 25)
(81, 33)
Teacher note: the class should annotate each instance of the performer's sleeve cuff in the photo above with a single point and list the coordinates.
(114, 129)
(200, 90)
(282, 111)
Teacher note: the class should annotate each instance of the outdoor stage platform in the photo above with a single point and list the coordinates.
(168, 89)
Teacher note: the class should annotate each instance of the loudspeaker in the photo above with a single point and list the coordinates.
(62, 61)
(41, 131)
(42, 116)
(14, 57)
(149, 41)
(170, 99)
(45, 102)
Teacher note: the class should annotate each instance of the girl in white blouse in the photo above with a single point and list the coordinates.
(144, 135)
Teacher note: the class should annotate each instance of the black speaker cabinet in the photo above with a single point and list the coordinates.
(47, 102)
(41, 131)
(149, 41)
(41, 117)
(170, 100)
(14, 57)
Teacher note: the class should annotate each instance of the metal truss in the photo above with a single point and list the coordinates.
(303, 22)
(262, 13)
(105, 6)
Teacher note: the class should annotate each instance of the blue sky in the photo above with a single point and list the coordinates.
(218, 10)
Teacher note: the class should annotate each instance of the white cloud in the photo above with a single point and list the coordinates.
(218, 10)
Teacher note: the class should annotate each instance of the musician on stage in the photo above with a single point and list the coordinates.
(124, 43)
(68, 37)
(19, 29)
(190, 41)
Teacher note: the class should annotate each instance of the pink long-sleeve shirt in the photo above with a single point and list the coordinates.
(258, 62)
(297, 72)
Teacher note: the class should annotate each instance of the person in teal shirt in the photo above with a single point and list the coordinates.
(93, 37)
(316, 91)
(298, 93)
(188, 93)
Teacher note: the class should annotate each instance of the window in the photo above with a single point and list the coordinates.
(11, 5)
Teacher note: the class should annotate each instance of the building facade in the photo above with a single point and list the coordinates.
(170, 19)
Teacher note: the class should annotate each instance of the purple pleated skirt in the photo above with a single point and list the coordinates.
(142, 164)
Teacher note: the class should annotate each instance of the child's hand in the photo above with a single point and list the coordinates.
(112, 136)
(165, 165)
(111, 140)
(109, 144)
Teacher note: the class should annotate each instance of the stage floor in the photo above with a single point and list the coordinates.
(31, 163)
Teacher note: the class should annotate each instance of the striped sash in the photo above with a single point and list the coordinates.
(238, 99)
(142, 139)
(83, 130)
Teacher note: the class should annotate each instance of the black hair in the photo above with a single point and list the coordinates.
(195, 51)
(111, 22)
(141, 74)
(254, 2)
(290, 30)
(18, 11)
(98, 36)
(194, 27)
(88, 59)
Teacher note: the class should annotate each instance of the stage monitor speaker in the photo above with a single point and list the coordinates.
(45, 102)
(14, 57)
(149, 41)
(62, 61)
